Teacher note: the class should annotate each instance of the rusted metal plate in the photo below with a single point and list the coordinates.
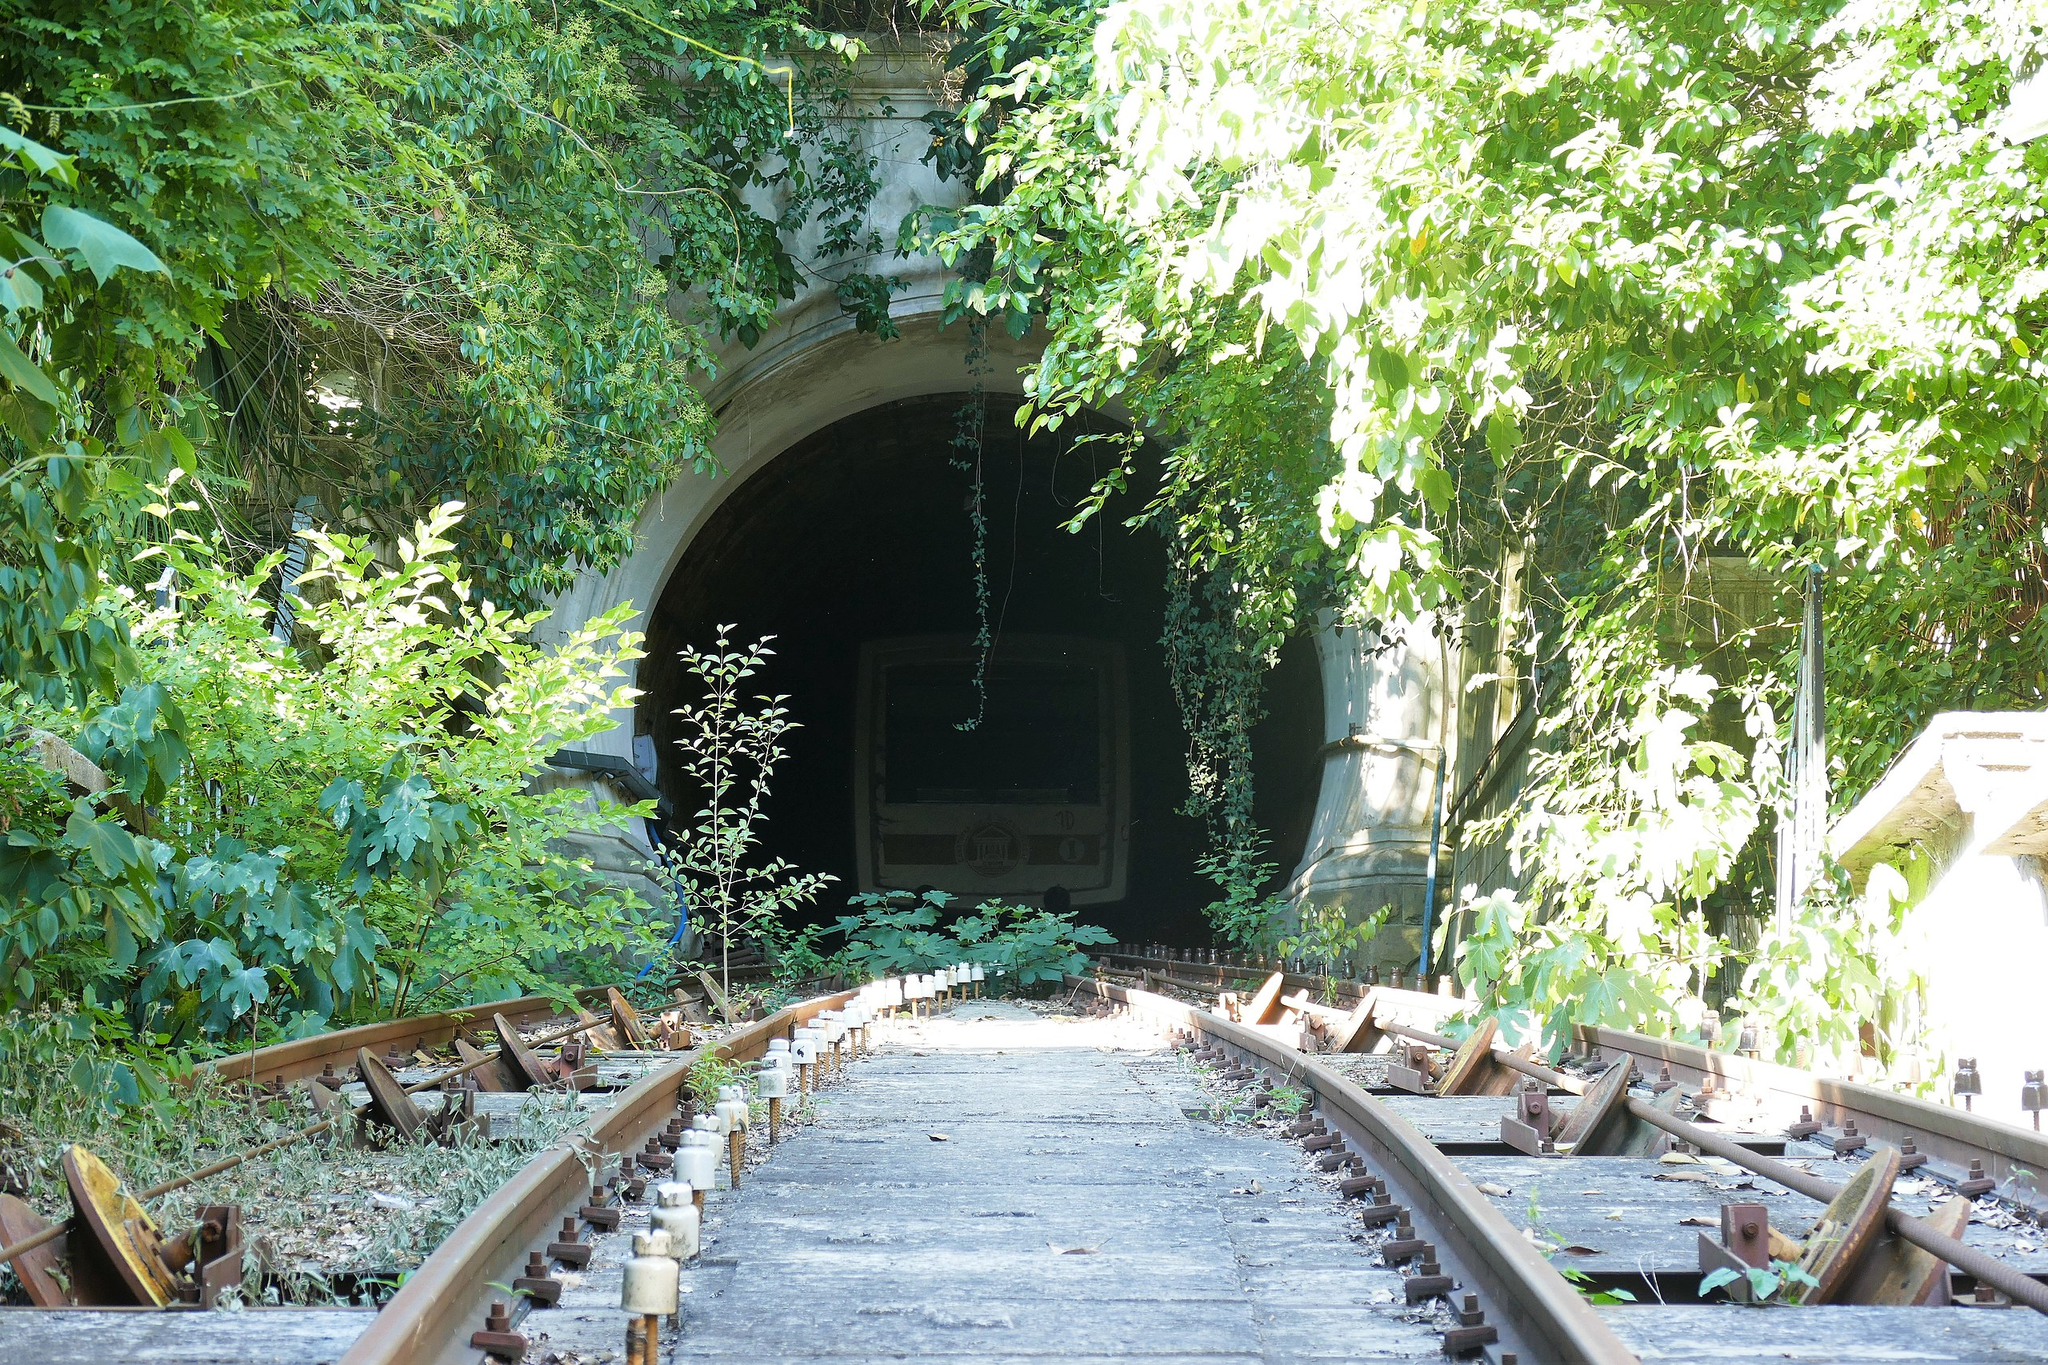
(1899, 1274)
(597, 1035)
(389, 1105)
(114, 1251)
(715, 995)
(626, 1020)
(1265, 1003)
(1848, 1228)
(528, 1071)
(1472, 1069)
(1596, 1115)
(490, 1074)
(1356, 1033)
(18, 1223)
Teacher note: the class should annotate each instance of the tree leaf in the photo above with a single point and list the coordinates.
(105, 247)
(31, 155)
(23, 373)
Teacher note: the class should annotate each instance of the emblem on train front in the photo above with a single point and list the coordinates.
(990, 849)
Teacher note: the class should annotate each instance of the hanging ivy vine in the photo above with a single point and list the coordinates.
(1217, 672)
(970, 428)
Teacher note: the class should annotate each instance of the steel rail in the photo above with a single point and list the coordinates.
(1552, 1322)
(1398, 1000)
(2015, 1284)
(311, 1130)
(1945, 1133)
(1951, 1135)
(301, 1058)
(1903, 1113)
(1355, 990)
(431, 1316)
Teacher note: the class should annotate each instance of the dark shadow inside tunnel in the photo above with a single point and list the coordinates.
(855, 549)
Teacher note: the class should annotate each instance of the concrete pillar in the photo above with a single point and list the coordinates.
(1368, 846)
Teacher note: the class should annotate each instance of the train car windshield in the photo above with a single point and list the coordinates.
(1040, 741)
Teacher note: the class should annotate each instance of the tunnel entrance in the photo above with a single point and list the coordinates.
(1063, 766)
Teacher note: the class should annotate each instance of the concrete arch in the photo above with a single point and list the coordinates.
(1369, 840)
(798, 387)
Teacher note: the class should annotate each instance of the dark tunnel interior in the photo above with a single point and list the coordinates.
(861, 535)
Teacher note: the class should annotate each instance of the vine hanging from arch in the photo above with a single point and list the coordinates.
(970, 429)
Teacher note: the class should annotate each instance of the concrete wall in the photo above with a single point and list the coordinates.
(1383, 733)
(1962, 815)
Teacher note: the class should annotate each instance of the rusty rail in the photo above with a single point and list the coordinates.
(1296, 981)
(431, 1316)
(302, 1058)
(1950, 1135)
(1550, 1320)
(2015, 1284)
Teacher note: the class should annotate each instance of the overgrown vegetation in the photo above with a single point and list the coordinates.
(336, 1219)
(1622, 314)
(1602, 308)
(280, 283)
(353, 837)
(892, 933)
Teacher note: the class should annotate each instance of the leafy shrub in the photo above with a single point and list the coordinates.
(896, 933)
(346, 830)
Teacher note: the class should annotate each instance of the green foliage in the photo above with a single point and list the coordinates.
(730, 751)
(415, 253)
(1290, 1100)
(894, 933)
(349, 834)
(1782, 1282)
(1324, 938)
(1638, 292)
(1838, 965)
(1623, 829)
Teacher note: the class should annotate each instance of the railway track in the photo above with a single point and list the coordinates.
(1531, 1214)
(1575, 1214)
(109, 1283)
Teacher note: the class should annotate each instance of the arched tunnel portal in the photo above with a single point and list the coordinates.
(855, 547)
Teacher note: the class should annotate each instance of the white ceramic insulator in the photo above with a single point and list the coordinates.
(734, 1112)
(651, 1285)
(698, 1164)
(774, 1083)
(680, 1223)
